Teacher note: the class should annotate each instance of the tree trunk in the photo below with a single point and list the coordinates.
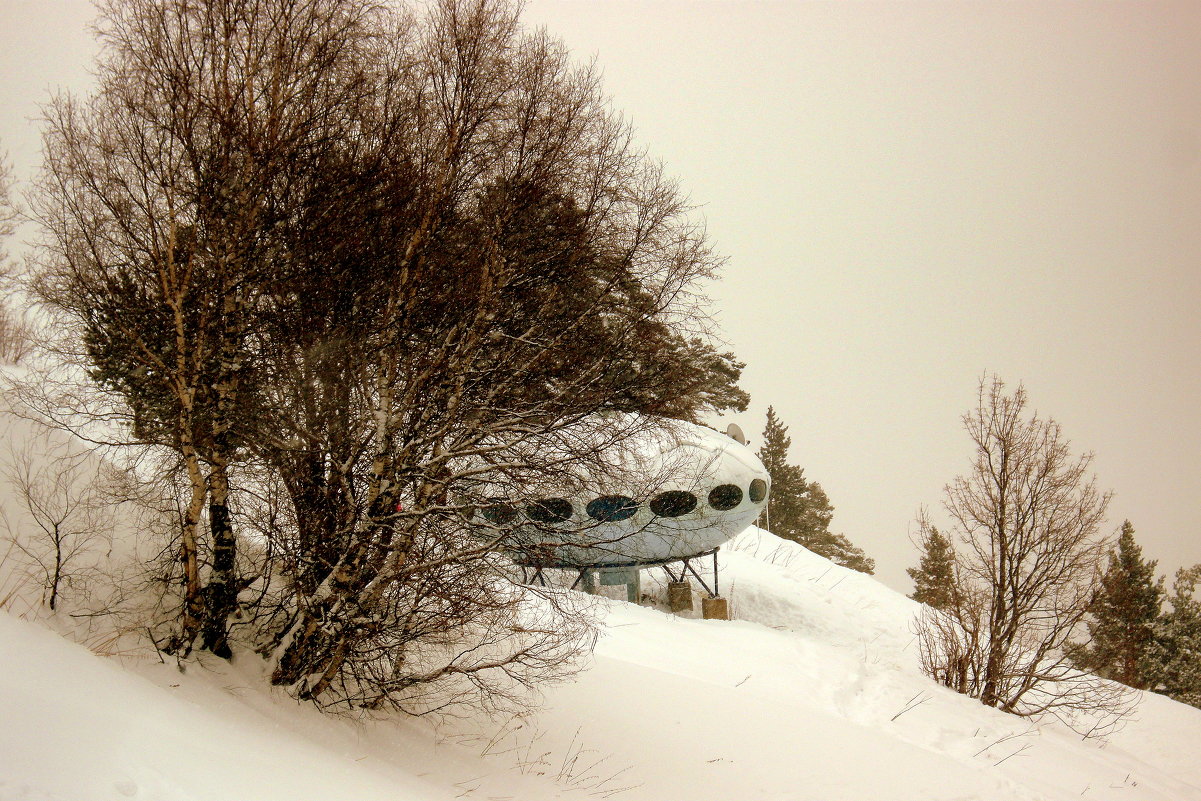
(221, 592)
(193, 602)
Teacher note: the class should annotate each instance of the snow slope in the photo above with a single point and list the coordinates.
(804, 698)
(812, 693)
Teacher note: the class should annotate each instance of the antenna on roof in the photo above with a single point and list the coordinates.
(735, 433)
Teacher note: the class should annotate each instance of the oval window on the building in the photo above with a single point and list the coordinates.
(673, 503)
(499, 514)
(725, 496)
(549, 510)
(758, 490)
(612, 508)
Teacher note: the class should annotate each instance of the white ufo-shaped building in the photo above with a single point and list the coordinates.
(668, 492)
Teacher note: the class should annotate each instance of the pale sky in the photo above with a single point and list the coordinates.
(908, 194)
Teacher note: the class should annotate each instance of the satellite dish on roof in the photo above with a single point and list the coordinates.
(735, 433)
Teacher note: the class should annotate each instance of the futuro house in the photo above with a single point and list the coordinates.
(674, 491)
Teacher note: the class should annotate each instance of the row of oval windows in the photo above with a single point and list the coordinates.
(613, 508)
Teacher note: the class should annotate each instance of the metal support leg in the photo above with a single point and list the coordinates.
(716, 588)
(704, 584)
(586, 577)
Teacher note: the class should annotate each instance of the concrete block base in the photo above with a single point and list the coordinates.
(715, 608)
(679, 596)
(630, 578)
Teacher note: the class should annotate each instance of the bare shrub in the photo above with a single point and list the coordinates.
(13, 578)
(16, 336)
(16, 333)
(63, 521)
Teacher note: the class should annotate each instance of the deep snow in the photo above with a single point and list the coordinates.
(811, 693)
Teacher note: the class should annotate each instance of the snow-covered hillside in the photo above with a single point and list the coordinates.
(804, 697)
(812, 693)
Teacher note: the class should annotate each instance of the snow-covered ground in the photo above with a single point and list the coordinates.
(811, 693)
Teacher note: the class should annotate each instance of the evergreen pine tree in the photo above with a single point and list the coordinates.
(1124, 612)
(1172, 663)
(841, 551)
(787, 481)
(799, 509)
(934, 576)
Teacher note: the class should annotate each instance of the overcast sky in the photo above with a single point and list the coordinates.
(909, 194)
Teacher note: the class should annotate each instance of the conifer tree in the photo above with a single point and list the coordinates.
(934, 576)
(1124, 611)
(787, 480)
(1172, 663)
(841, 551)
(799, 509)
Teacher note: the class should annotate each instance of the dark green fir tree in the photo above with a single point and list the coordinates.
(799, 509)
(1123, 615)
(934, 576)
(1172, 664)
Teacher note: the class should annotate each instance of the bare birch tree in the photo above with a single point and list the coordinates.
(159, 196)
(529, 265)
(381, 265)
(1025, 525)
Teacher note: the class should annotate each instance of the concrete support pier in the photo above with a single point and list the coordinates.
(679, 596)
(630, 577)
(715, 608)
